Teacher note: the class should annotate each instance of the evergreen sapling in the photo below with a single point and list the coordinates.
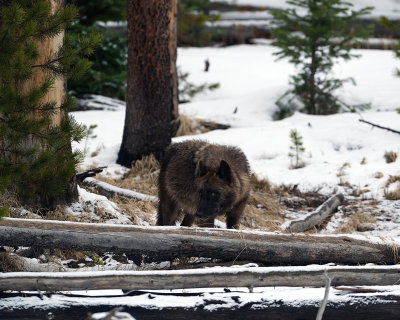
(314, 35)
(296, 150)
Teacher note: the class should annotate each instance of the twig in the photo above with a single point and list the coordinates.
(326, 295)
(378, 126)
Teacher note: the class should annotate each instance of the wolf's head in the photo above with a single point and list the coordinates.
(214, 184)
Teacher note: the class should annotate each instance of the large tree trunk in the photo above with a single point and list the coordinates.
(152, 107)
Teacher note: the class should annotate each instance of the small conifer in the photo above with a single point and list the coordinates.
(296, 149)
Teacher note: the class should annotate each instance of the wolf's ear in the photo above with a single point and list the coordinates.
(201, 169)
(224, 171)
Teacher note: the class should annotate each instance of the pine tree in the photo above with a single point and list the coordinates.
(314, 34)
(36, 160)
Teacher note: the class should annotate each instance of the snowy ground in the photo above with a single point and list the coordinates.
(341, 154)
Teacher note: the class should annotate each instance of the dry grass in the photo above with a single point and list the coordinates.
(390, 156)
(394, 194)
(140, 212)
(142, 177)
(10, 262)
(359, 221)
(190, 126)
(392, 179)
(262, 210)
(356, 192)
(60, 213)
(378, 175)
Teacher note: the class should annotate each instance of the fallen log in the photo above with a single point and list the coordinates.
(316, 217)
(201, 278)
(108, 190)
(147, 244)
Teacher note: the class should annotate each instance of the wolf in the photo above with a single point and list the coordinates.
(202, 180)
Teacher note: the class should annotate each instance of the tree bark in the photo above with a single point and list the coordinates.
(200, 278)
(167, 243)
(152, 104)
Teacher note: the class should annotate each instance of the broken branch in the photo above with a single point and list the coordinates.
(380, 127)
(316, 217)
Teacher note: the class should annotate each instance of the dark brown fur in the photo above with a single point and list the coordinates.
(204, 180)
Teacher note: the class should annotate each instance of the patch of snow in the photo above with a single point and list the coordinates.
(94, 202)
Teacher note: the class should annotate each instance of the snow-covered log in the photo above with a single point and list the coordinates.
(316, 217)
(97, 102)
(167, 243)
(109, 190)
(201, 278)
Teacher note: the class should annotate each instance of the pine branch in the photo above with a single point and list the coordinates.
(50, 62)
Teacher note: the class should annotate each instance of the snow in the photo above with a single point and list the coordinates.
(94, 201)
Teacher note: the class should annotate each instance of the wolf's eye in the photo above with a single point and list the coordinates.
(213, 194)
